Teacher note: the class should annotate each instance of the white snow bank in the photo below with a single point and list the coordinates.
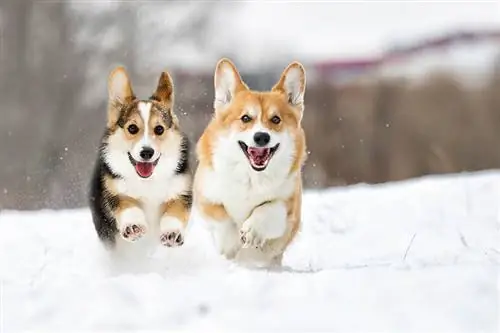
(421, 255)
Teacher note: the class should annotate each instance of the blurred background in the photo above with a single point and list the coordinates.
(394, 91)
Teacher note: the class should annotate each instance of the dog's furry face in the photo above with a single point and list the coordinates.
(142, 136)
(258, 131)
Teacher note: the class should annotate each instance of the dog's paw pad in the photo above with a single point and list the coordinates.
(133, 232)
(172, 238)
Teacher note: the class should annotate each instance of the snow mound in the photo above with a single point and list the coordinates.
(420, 255)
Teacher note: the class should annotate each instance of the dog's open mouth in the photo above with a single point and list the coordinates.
(258, 157)
(143, 169)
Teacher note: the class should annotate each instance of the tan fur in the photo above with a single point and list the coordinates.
(124, 104)
(217, 212)
(109, 184)
(156, 118)
(270, 103)
(294, 205)
(178, 208)
(165, 91)
(118, 94)
(125, 202)
(156, 200)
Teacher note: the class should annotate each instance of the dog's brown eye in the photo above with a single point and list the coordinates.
(133, 129)
(246, 119)
(276, 120)
(159, 130)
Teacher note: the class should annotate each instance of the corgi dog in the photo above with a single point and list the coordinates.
(141, 184)
(248, 183)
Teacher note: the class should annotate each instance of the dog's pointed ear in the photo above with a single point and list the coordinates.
(293, 85)
(119, 86)
(119, 91)
(227, 82)
(165, 90)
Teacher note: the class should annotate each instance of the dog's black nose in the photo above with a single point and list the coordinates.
(261, 138)
(146, 153)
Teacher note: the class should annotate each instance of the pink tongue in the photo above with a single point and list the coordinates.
(144, 169)
(259, 155)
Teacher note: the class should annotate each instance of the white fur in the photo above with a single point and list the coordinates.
(254, 111)
(234, 183)
(116, 155)
(226, 237)
(293, 86)
(225, 85)
(163, 185)
(248, 136)
(119, 86)
(153, 192)
(129, 216)
(266, 222)
(170, 223)
(145, 111)
(145, 141)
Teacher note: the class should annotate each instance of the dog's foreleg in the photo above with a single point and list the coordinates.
(174, 219)
(266, 222)
(222, 227)
(130, 219)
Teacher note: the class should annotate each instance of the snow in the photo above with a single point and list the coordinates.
(414, 256)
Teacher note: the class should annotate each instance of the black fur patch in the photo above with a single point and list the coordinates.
(183, 163)
(125, 110)
(263, 203)
(164, 111)
(101, 202)
(154, 98)
(187, 199)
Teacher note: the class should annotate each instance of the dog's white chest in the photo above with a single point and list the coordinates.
(240, 194)
(153, 192)
(143, 190)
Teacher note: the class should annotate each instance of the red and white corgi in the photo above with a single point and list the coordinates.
(248, 184)
(142, 185)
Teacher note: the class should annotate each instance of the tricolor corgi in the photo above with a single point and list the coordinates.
(141, 183)
(248, 184)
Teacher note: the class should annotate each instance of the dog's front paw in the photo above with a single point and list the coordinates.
(132, 224)
(172, 232)
(172, 238)
(250, 238)
(132, 232)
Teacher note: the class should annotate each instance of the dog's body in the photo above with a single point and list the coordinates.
(141, 184)
(248, 184)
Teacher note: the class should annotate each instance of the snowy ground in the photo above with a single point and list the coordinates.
(421, 255)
